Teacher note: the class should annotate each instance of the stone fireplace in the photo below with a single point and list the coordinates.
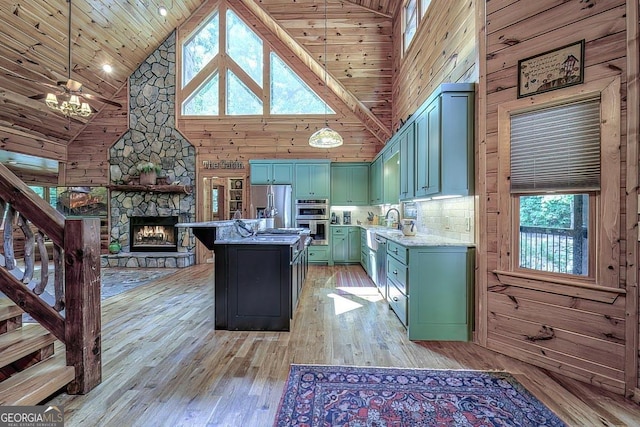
(152, 137)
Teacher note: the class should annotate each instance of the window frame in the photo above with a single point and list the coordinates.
(417, 16)
(606, 230)
(420, 13)
(223, 62)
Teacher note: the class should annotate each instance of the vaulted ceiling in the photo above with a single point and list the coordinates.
(34, 53)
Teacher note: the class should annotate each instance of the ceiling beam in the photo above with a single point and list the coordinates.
(368, 119)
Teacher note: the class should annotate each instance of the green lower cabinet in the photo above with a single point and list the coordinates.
(345, 245)
(319, 254)
(440, 289)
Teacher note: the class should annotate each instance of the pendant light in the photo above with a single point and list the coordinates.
(325, 137)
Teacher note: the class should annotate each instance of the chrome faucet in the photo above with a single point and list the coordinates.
(399, 226)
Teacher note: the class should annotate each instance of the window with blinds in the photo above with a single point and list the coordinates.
(556, 148)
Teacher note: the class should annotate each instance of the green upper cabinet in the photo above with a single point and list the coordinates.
(350, 184)
(427, 150)
(407, 160)
(375, 182)
(456, 144)
(444, 142)
(271, 172)
(312, 180)
(391, 177)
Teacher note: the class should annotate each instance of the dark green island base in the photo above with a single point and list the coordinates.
(257, 279)
(257, 285)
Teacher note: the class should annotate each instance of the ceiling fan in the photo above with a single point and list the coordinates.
(75, 100)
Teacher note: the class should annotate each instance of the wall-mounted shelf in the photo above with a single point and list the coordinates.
(186, 189)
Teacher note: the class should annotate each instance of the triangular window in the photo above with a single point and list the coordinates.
(246, 78)
(244, 47)
(205, 101)
(240, 99)
(290, 95)
(199, 49)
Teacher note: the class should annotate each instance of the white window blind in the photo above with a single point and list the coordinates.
(556, 148)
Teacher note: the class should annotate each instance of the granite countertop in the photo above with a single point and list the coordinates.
(284, 239)
(208, 224)
(420, 239)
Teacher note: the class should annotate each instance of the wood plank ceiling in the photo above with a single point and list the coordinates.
(34, 40)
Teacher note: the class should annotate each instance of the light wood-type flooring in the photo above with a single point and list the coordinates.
(164, 365)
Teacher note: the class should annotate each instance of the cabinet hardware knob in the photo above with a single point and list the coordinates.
(395, 299)
(395, 272)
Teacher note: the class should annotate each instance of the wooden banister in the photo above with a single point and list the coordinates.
(83, 325)
(77, 253)
(27, 202)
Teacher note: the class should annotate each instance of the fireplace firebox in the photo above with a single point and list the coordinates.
(153, 233)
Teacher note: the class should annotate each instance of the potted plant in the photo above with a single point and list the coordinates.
(114, 246)
(148, 172)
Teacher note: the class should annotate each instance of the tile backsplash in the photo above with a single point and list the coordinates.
(453, 218)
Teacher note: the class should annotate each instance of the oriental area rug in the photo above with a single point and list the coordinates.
(328, 396)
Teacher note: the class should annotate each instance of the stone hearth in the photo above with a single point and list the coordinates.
(148, 259)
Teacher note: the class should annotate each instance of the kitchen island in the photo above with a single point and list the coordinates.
(258, 274)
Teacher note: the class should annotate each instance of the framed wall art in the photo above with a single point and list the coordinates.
(551, 70)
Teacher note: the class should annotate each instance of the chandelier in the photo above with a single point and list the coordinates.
(325, 137)
(70, 107)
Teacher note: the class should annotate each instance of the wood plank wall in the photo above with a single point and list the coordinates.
(88, 153)
(444, 50)
(588, 335)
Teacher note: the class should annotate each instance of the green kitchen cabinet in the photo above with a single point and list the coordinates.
(427, 150)
(353, 254)
(407, 162)
(391, 178)
(444, 153)
(345, 244)
(318, 254)
(312, 180)
(439, 283)
(271, 172)
(350, 184)
(364, 251)
(375, 181)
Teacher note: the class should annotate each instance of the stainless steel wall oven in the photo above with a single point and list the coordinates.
(314, 215)
(312, 209)
(318, 230)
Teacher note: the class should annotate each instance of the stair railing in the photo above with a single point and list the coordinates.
(75, 315)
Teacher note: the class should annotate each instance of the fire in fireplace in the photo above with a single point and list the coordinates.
(153, 233)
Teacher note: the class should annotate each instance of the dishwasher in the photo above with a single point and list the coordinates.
(380, 278)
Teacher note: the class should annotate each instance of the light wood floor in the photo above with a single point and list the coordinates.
(164, 365)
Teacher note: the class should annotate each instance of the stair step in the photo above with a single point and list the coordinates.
(37, 383)
(21, 342)
(8, 309)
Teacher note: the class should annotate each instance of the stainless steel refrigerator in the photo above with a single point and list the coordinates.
(272, 201)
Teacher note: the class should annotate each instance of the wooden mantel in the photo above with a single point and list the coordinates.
(186, 189)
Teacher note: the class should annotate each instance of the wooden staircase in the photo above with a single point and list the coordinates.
(30, 371)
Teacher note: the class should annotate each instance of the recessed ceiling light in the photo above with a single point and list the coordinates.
(107, 68)
(162, 11)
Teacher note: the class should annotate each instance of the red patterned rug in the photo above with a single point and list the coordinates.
(331, 396)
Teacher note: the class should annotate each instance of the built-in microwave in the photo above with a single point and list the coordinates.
(312, 209)
(318, 230)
